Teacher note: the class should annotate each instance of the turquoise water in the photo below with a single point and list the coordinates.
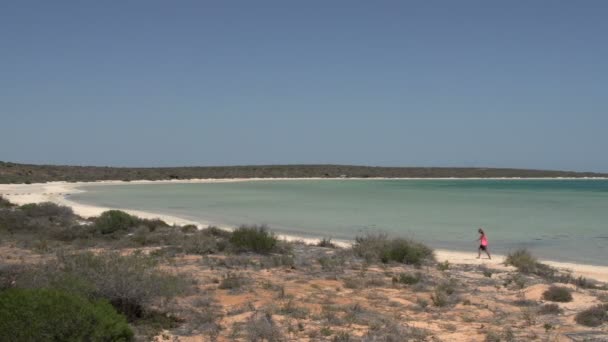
(564, 220)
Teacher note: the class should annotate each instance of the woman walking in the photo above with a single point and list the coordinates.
(483, 244)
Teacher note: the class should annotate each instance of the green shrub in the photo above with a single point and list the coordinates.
(407, 278)
(189, 228)
(594, 316)
(523, 260)
(152, 224)
(47, 315)
(47, 209)
(558, 294)
(114, 220)
(442, 295)
(526, 263)
(378, 247)
(256, 239)
(14, 221)
(130, 283)
(439, 298)
(4, 203)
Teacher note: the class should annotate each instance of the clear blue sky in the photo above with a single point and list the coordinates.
(399, 83)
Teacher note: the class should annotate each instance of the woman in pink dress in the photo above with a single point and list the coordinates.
(483, 244)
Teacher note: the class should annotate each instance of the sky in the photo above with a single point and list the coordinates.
(388, 83)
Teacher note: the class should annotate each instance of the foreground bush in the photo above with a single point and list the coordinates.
(46, 315)
(594, 316)
(558, 294)
(130, 283)
(378, 247)
(115, 220)
(256, 239)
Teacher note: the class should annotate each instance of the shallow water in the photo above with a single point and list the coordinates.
(565, 220)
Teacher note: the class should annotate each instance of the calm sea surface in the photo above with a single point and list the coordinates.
(564, 220)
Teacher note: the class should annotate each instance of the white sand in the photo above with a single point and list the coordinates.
(56, 192)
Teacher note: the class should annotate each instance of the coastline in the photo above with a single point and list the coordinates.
(56, 192)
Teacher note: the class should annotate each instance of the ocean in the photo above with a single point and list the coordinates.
(562, 220)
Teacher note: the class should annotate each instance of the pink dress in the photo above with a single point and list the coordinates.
(484, 241)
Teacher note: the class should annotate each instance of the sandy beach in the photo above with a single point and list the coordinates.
(58, 192)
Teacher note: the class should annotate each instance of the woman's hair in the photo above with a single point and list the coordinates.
(481, 231)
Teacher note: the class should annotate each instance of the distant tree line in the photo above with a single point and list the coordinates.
(26, 173)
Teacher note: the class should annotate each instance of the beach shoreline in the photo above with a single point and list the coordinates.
(58, 192)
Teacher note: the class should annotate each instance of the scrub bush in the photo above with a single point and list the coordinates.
(47, 315)
(130, 283)
(114, 220)
(378, 247)
(256, 239)
(594, 316)
(558, 294)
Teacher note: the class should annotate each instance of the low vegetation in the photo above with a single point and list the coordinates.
(49, 315)
(594, 316)
(26, 173)
(558, 294)
(112, 221)
(257, 239)
(379, 247)
(144, 279)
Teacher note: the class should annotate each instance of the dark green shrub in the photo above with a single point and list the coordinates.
(14, 221)
(256, 239)
(47, 315)
(594, 316)
(4, 203)
(558, 294)
(378, 247)
(47, 209)
(189, 228)
(114, 220)
(152, 224)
